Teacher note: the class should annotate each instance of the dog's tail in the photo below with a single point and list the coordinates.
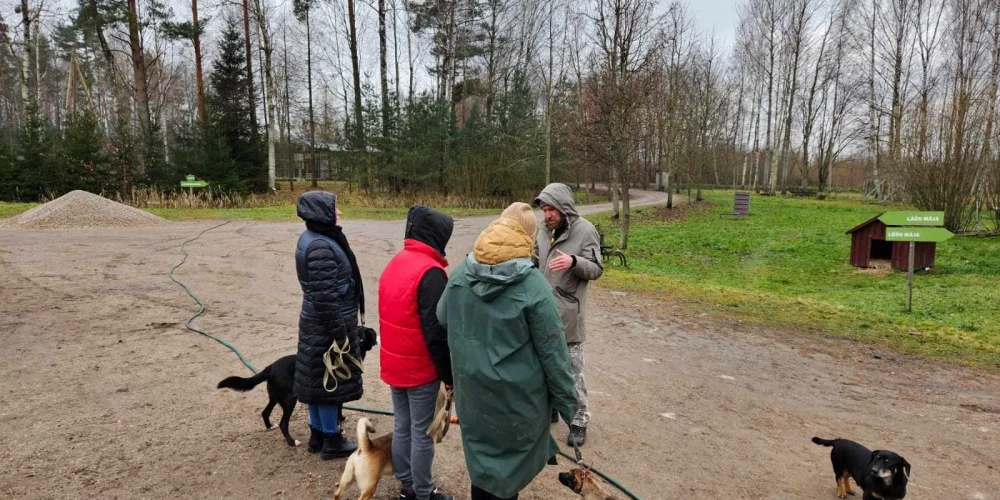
(243, 384)
(364, 427)
(824, 442)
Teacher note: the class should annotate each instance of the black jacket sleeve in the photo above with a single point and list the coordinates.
(435, 335)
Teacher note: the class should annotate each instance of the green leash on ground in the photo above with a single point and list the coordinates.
(201, 305)
(231, 347)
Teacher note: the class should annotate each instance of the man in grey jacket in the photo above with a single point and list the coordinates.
(569, 255)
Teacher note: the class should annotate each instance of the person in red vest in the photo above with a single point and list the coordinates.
(414, 352)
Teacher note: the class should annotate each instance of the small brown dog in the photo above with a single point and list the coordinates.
(371, 461)
(583, 483)
(373, 458)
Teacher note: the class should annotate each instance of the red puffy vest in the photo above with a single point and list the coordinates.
(404, 357)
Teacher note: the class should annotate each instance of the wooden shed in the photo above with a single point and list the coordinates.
(868, 244)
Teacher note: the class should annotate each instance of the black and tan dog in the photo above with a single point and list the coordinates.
(880, 474)
(583, 483)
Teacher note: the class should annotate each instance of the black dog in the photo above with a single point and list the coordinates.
(280, 377)
(880, 474)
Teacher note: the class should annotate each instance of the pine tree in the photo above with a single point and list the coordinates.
(231, 124)
(85, 164)
(34, 175)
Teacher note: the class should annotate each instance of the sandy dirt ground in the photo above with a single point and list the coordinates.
(106, 395)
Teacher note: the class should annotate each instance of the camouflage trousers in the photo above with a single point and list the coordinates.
(582, 418)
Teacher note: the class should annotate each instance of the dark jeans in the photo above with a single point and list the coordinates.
(478, 494)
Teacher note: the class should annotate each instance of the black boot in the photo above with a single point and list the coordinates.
(441, 496)
(555, 416)
(577, 435)
(336, 446)
(315, 440)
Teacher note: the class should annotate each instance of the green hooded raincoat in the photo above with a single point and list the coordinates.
(509, 359)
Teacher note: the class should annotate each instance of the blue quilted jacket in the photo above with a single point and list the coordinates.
(329, 308)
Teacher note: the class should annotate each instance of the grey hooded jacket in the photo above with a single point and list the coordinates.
(579, 239)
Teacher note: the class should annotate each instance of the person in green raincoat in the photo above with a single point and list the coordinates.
(509, 357)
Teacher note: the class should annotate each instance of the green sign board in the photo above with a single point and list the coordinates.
(933, 219)
(191, 182)
(918, 234)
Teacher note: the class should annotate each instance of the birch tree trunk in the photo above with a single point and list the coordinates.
(27, 95)
(271, 107)
(799, 26)
(359, 134)
(251, 97)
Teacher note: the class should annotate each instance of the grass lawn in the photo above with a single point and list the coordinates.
(14, 209)
(787, 264)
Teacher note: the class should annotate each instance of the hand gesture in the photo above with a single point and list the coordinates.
(562, 262)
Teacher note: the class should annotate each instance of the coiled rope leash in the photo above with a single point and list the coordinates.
(339, 370)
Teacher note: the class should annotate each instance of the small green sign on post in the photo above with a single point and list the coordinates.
(930, 232)
(930, 219)
(191, 182)
(918, 234)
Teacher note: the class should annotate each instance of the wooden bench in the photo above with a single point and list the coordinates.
(800, 191)
(741, 205)
(609, 251)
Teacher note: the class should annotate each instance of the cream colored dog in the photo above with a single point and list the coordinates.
(373, 458)
(371, 461)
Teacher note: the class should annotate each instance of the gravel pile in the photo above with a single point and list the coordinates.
(81, 210)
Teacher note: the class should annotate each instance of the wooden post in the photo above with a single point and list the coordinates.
(909, 278)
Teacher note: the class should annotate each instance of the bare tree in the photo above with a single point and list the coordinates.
(992, 86)
(139, 77)
(838, 95)
(550, 79)
(267, 46)
(819, 80)
(359, 130)
(199, 78)
(251, 97)
(928, 24)
(303, 10)
(794, 35)
(383, 70)
(628, 46)
(874, 114)
(766, 18)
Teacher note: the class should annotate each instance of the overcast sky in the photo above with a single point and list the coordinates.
(719, 15)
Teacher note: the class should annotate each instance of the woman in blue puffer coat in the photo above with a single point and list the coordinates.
(332, 296)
